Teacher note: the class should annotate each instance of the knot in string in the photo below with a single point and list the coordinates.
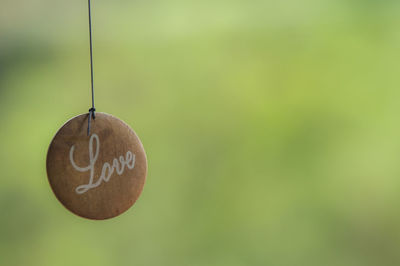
(91, 115)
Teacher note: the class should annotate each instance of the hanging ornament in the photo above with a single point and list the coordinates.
(96, 164)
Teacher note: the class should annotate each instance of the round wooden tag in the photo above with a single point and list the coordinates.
(98, 176)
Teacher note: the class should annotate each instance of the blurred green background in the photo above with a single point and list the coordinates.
(271, 129)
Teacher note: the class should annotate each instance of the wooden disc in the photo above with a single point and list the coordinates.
(98, 176)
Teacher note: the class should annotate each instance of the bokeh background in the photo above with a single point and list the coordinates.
(272, 130)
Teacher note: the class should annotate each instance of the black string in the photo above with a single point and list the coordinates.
(91, 110)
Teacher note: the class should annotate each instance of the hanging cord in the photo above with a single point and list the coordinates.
(91, 110)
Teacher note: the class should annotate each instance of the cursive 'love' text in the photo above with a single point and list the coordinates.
(107, 169)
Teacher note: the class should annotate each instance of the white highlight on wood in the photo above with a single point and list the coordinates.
(107, 170)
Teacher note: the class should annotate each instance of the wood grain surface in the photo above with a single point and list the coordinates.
(98, 176)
